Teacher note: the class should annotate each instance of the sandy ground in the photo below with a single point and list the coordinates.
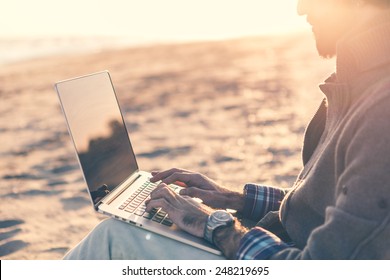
(235, 110)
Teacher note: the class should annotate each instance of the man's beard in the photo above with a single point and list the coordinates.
(328, 36)
(326, 45)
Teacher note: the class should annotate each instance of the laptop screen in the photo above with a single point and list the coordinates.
(98, 131)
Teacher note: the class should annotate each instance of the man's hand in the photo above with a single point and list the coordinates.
(185, 212)
(191, 216)
(200, 186)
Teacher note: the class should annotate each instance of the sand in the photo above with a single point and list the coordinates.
(234, 110)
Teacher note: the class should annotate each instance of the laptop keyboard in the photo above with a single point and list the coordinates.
(136, 204)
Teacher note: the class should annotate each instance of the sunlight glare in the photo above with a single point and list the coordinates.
(168, 19)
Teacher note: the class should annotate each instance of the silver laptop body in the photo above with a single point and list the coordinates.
(116, 186)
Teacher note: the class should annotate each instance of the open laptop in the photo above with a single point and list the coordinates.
(116, 186)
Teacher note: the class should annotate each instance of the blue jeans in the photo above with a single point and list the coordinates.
(113, 239)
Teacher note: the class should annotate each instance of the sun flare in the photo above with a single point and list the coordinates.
(168, 19)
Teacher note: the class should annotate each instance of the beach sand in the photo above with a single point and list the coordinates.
(234, 110)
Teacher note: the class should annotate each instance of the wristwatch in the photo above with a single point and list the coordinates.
(217, 219)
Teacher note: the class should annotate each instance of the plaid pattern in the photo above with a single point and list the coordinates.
(259, 200)
(259, 244)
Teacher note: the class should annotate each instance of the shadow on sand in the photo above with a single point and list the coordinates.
(9, 229)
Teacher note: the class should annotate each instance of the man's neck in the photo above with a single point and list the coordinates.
(366, 46)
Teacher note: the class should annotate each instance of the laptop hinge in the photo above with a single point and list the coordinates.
(97, 205)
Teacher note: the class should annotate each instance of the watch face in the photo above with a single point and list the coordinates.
(222, 216)
(217, 219)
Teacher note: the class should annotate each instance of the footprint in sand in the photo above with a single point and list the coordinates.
(8, 229)
(75, 203)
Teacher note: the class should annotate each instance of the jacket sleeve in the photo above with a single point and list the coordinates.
(357, 226)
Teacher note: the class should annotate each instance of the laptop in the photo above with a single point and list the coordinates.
(116, 185)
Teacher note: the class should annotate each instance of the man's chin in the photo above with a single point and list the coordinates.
(325, 48)
(326, 53)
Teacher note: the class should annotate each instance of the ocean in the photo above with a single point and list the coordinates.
(18, 49)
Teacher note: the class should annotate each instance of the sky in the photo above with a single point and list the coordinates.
(148, 19)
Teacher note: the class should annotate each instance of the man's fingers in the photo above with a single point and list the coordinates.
(159, 203)
(194, 192)
(160, 175)
(179, 177)
(183, 178)
(162, 191)
(180, 184)
(163, 197)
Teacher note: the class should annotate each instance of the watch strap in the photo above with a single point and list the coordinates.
(208, 231)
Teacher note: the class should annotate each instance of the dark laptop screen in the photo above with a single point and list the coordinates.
(98, 132)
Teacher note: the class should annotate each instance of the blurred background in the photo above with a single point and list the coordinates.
(225, 88)
(41, 27)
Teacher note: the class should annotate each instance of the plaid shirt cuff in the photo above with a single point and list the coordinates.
(259, 200)
(259, 244)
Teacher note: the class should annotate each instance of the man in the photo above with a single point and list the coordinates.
(339, 206)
